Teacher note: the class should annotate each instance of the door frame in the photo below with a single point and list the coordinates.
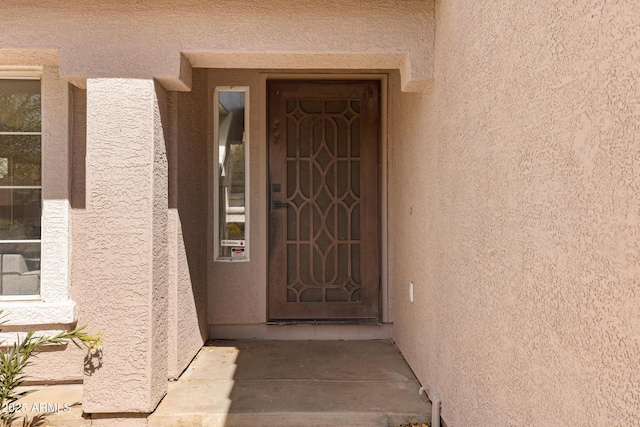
(385, 294)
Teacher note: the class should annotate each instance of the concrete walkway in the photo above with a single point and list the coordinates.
(266, 383)
(294, 383)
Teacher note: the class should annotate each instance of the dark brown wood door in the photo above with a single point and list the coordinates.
(324, 215)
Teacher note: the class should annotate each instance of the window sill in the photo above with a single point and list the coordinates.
(19, 298)
(38, 312)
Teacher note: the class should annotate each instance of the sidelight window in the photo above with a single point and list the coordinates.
(231, 175)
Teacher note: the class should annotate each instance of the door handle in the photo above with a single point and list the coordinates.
(277, 204)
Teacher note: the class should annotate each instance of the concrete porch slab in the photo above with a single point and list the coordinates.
(294, 383)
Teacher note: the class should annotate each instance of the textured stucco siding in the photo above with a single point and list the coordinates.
(238, 290)
(66, 364)
(55, 187)
(514, 210)
(188, 205)
(146, 38)
(124, 166)
(159, 303)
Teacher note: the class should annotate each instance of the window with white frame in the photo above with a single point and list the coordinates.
(231, 175)
(20, 186)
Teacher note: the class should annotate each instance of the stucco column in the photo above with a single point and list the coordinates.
(126, 284)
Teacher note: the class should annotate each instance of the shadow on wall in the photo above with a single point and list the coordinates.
(188, 195)
(78, 137)
(184, 124)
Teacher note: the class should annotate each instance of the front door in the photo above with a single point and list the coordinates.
(324, 215)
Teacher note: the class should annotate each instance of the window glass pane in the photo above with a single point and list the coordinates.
(20, 268)
(232, 206)
(20, 192)
(20, 214)
(20, 105)
(20, 160)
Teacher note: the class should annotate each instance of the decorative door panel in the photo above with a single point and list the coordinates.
(324, 227)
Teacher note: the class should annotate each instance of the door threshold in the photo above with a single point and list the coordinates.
(371, 321)
(304, 331)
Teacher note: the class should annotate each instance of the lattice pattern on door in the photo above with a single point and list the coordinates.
(323, 201)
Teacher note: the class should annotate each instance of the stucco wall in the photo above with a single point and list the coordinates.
(188, 210)
(126, 251)
(160, 251)
(147, 37)
(238, 290)
(514, 195)
(67, 365)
